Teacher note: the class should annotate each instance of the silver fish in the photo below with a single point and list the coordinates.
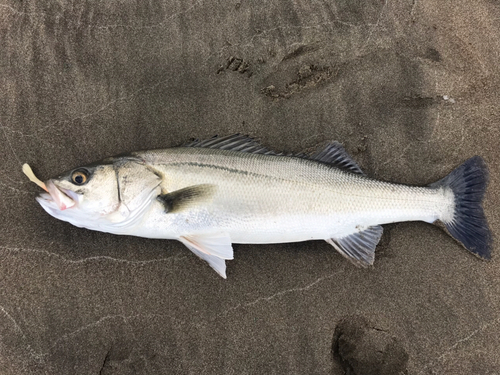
(210, 194)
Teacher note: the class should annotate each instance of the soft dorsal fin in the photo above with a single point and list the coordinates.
(359, 247)
(335, 154)
(235, 142)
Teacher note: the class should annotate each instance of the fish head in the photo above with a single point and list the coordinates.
(102, 195)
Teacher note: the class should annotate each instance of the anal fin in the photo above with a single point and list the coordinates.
(359, 247)
(214, 248)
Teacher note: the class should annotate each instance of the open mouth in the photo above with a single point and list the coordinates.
(57, 197)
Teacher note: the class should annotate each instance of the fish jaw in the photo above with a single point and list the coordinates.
(63, 204)
(59, 198)
(67, 205)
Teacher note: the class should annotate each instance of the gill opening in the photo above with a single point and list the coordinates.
(118, 184)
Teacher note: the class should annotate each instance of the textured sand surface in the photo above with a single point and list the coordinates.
(411, 88)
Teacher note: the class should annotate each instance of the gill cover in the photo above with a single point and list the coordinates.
(137, 184)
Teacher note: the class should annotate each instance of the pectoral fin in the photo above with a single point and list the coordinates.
(213, 248)
(185, 198)
(359, 247)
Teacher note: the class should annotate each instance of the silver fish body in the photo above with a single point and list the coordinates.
(273, 199)
(232, 190)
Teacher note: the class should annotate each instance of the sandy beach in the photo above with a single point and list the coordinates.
(410, 88)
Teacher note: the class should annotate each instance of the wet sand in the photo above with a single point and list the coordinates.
(411, 89)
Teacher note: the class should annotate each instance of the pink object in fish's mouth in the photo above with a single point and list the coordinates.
(61, 197)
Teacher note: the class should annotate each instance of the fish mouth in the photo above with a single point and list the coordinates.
(57, 198)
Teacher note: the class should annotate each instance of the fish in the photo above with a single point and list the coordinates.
(209, 194)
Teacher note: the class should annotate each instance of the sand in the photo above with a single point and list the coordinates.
(411, 89)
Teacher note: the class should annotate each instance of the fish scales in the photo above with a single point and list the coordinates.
(292, 199)
(210, 194)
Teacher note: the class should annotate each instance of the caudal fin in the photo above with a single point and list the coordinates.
(468, 225)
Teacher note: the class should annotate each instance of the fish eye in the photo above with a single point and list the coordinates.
(80, 176)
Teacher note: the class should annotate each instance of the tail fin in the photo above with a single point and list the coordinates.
(468, 183)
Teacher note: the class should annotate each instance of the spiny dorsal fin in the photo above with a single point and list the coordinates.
(335, 154)
(235, 142)
(184, 198)
(359, 247)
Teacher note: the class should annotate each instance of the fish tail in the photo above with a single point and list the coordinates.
(468, 223)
